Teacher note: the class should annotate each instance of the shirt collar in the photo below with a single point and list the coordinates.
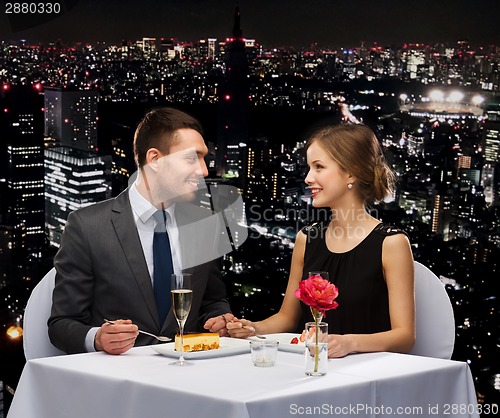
(143, 207)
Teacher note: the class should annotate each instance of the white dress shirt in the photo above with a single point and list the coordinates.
(143, 212)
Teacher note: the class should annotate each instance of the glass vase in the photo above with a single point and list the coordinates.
(316, 352)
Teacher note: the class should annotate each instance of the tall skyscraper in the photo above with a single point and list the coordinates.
(75, 175)
(22, 207)
(71, 117)
(490, 178)
(212, 45)
(73, 179)
(234, 106)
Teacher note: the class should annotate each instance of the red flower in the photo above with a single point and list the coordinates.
(318, 293)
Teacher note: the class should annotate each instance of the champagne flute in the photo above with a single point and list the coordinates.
(323, 274)
(182, 296)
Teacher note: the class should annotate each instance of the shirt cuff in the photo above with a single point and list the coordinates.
(89, 340)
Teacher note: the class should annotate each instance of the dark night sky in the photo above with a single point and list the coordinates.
(273, 22)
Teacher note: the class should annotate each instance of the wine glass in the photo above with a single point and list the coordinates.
(323, 274)
(182, 296)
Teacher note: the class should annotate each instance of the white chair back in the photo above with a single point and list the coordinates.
(434, 316)
(36, 340)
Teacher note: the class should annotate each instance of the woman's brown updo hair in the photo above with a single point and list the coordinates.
(357, 150)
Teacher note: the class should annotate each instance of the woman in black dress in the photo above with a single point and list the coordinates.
(369, 262)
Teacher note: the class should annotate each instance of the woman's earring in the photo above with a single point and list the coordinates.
(349, 186)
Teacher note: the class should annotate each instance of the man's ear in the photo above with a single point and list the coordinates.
(152, 157)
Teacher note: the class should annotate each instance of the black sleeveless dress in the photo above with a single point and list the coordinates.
(358, 274)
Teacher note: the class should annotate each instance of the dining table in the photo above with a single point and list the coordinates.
(143, 383)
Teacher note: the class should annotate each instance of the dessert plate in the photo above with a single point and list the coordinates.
(228, 347)
(284, 339)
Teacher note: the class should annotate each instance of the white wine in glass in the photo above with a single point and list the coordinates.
(182, 297)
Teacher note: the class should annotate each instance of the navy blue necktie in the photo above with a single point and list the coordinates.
(162, 265)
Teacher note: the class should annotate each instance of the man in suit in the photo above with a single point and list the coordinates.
(106, 263)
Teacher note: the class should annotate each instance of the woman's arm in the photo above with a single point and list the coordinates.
(289, 314)
(397, 262)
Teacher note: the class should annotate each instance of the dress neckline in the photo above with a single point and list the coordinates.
(377, 227)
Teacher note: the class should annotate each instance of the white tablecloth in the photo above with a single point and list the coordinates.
(140, 383)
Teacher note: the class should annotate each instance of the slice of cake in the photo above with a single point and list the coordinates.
(198, 342)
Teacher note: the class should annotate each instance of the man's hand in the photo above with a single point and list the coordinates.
(116, 338)
(218, 324)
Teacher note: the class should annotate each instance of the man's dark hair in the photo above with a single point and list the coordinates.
(158, 129)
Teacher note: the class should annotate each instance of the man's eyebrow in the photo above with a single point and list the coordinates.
(192, 151)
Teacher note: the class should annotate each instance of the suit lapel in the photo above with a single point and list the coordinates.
(123, 222)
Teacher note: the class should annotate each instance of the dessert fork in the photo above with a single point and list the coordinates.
(158, 337)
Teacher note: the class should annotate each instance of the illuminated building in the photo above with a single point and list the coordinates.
(1, 400)
(436, 214)
(417, 64)
(469, 177)
(348, 63)
(492, 135)
(167, 48)
(73, 179)
(464, 161)
(212, 43)
(123, 165)
(11, 250)
(147, 46)
(71, 117)
(22, 170)
(416, 204)
(416, 144)
(490, 178)
(259, 172)
(492, 142)
(203, 48)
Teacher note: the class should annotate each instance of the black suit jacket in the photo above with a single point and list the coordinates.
(102, 273)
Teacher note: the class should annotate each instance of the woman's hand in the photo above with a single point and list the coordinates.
(240, 328)
(218, 324)
(339, 346)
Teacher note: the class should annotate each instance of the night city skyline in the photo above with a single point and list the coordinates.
(429, 88)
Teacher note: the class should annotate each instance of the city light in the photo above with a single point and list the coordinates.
(436, 95)
(455, 96)
(477, 100)
(14, 332)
